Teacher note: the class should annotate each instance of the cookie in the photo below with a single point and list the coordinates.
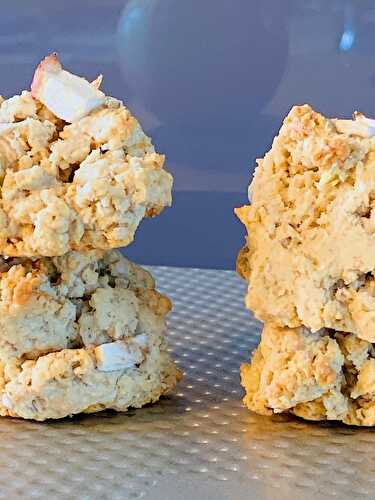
(309, 257)
(326, 375)
(117, 375)
(77, 172)
(77, 300)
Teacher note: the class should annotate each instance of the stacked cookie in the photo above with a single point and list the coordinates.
(310, 266)
(81, 327)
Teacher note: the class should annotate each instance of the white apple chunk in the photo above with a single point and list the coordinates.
(120, 355)
(360, 125)
(67, 96)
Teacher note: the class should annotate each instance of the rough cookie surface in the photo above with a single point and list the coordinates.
(75, 186)
(326, 375)
(310, 256)
(72, 381)
(77, 300)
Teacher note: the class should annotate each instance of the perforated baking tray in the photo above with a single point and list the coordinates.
(200, 443)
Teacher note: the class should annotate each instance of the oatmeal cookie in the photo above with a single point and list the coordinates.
(77, 172)
(326, 375)
(117, 375)
(310, 258)
(77, 300)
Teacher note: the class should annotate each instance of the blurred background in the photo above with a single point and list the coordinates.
(210, 81)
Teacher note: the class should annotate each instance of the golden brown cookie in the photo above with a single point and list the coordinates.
(77, 300)
(326, 375)
(76, 170)
(310, 256)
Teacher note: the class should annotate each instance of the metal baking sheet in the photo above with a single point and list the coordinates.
(199, 443)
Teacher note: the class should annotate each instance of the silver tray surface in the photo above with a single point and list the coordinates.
(199, 443)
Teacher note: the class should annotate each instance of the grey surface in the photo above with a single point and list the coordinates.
(200, 442)
(211, 81)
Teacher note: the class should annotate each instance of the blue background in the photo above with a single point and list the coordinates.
(210, 81)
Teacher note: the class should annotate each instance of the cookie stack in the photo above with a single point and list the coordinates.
(310, 266)
(81, 327)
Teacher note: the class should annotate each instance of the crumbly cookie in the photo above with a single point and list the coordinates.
(81, 179)
(77, 300)
(118, 375)
(310, 256)
(326, 375)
